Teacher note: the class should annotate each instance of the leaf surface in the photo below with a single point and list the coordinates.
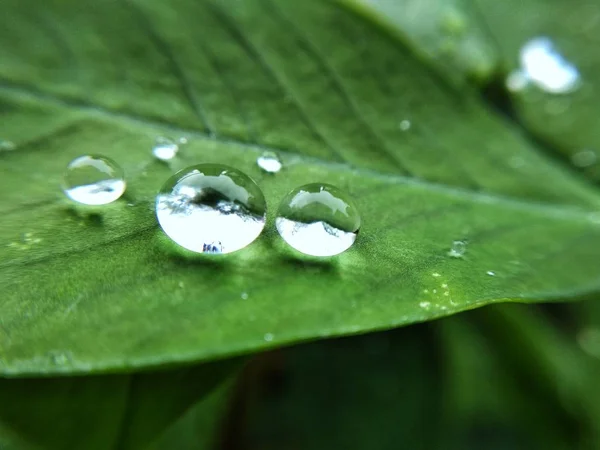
(329, 90)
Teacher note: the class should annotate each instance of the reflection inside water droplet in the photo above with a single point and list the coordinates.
(318, 220)
(93, 180)
(211, 208)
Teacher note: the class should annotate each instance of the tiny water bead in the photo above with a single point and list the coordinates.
(165, 149)
(318, 220)
(211, 208)
(458, 249)
(269, 162)
(94, 180)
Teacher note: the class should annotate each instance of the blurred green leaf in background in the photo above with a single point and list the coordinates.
(113, 338)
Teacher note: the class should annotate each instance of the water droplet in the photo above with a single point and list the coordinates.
(7, 146)
(424, 304)
(517, 81)
(544, 66)
(435, 274)
(183, 140)
(491, 274)
(458, 249)
(589, 341)
(94, 180)
(269, 162)
(268, 337)
(584, 158)
(60, 358)
(404, 125)
(211, 208)
(318, 220)
(165, 149)
(244, 296)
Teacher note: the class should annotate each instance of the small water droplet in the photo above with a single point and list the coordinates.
(211, 208)
(491, 274)
(589, 341)
(458, 249)
(544, 66)
(7, 146)
(59, 358)
(435, 274)
(268, 337)
(165, 149)
(516, 81)
(269, 162)
(584, 158)
(404, 125)
(318, 220)
(424, 304)
(94, 180)
(244, 296)
(183, 140)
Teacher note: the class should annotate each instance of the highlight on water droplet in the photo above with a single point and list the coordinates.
(94, 180)
(543, 66)
(211, 208)
(269, 162)
(584, 158)
(244, 295)
(165, 149)
(318, 219)
(491, 273)
(268, 337)
(458, 249)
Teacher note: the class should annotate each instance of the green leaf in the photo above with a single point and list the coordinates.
(112, 411)
(329, 90)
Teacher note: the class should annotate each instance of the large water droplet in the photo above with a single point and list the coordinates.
(164, 148)
(94, 180)
(318, 220)
(458, 249)
(544, 66)
(211, 208)
(269, 162)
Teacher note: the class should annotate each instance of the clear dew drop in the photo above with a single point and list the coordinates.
(211, 208)
(268, 337)
(458, 249)
(491, 273)
(244, 295)
(165, 149)
(543, 66)
(584, 158)
(269, 162)
(59, 358)
(318, 220)
(94, 180)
